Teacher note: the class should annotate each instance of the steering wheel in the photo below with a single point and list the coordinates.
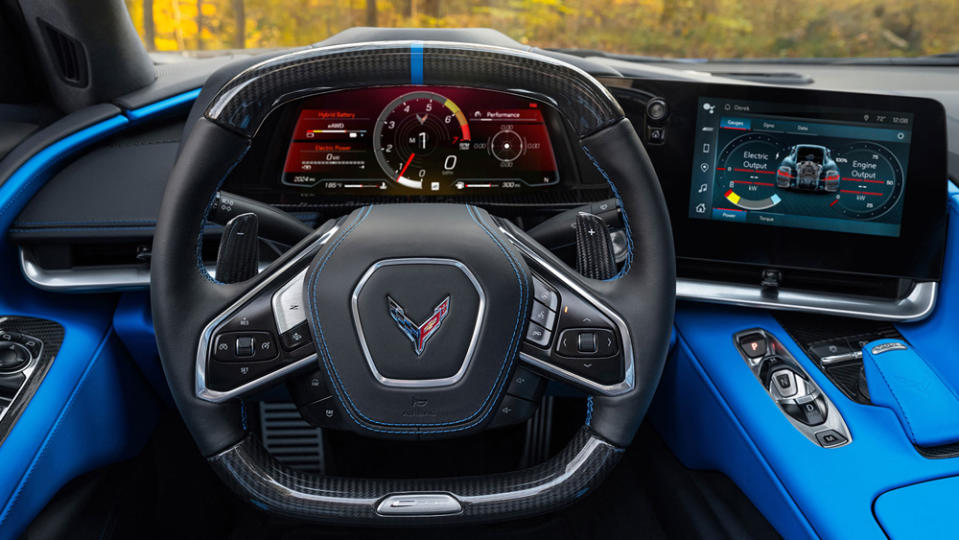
(412, 305)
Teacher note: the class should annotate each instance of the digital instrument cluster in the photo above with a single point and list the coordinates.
(843, 170)
(419, 140)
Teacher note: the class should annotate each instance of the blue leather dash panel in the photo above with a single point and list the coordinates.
(920, 511)
(901, 380)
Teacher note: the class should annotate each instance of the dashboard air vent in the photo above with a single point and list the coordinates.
(67, 54)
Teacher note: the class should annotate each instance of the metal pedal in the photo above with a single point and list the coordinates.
(289, 439)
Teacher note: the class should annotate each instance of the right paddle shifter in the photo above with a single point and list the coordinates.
(805, 405)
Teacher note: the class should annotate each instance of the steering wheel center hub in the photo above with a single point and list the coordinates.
(418, 311)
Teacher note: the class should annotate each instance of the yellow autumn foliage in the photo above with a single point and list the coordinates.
(674, 28)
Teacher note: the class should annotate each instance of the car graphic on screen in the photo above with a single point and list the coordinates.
(808, 167)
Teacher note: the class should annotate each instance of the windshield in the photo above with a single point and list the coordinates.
(709, 29)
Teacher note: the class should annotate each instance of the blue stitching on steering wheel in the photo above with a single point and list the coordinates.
(199, 242)
(629, 236)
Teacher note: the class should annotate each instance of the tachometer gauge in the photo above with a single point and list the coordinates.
(417, 139)
(871, 180)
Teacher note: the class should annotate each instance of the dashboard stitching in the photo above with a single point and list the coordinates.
(500, 379)
(629, 235)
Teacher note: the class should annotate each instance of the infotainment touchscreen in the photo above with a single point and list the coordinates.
(833, 169)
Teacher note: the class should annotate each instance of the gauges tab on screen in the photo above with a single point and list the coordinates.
(834, 169)
(420, 140)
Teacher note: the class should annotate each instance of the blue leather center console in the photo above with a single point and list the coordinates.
(901, 380)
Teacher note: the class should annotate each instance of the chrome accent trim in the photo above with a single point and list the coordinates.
(916, 306)
(91, 279)
(290, 295)
(629, 378)
(203, 349)
(477, 327)
(808, 390)
(840, 358)
(419, 504)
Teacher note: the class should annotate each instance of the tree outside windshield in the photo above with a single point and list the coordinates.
(670, 28)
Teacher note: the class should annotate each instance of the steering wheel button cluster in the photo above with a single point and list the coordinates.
(297, 336)
(542, 315)
(587, 342)
(601, 370)
(244, 347)
(538, 335)
(545, 294)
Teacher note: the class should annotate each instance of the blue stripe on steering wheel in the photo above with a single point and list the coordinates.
(416, 63)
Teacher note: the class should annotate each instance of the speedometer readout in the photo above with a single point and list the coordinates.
(418, 138)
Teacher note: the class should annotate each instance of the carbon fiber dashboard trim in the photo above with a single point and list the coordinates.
(244, 102)
(252, 473)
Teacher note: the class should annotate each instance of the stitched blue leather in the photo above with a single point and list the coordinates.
(921, 511)
(901, 380)
(507, 364)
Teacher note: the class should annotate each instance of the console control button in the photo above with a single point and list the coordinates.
(542, 315)
(811, 413)
(538, 335)
(11, 384)
(545, 294)
(785, 381)
(753, 345)
(830, 438)
(838, 347)
(13, 356)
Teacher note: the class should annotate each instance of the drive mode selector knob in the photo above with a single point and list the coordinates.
(13, 356)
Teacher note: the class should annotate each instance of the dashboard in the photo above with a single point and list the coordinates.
(837, 191)
(753, 176)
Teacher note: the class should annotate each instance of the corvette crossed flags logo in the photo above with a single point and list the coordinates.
(419, 334)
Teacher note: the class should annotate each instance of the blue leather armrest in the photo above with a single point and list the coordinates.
(901, 380)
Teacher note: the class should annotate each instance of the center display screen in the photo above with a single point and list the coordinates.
(820, 168)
